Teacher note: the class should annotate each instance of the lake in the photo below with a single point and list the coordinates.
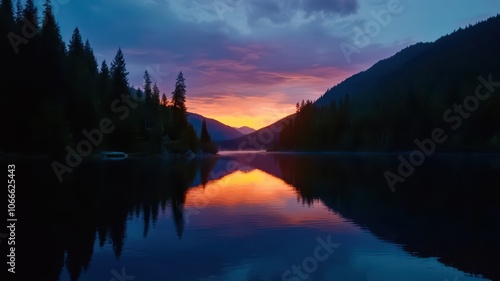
(260, 216)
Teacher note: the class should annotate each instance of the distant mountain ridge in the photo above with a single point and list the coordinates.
(261, 139)
(217, 130)
(246, 130)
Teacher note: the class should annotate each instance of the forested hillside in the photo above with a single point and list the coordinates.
(449, 85)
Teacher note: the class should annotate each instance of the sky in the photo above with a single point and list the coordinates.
(247, 62)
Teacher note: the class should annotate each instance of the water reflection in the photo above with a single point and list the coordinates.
(446, 210)
(97, 200)
(236, 199)
(237, 217)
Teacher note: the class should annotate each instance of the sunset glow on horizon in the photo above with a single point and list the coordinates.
(253, 109)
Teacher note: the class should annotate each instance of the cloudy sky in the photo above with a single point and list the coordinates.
(247, 62)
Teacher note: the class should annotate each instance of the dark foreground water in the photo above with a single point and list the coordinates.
(259, 217)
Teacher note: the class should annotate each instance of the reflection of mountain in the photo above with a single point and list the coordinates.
(245, 162)
(251, 160)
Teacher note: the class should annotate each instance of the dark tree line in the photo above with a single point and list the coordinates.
(55, 95)
(317, 127)
(398, 123)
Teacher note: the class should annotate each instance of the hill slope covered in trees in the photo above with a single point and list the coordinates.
(449, 85)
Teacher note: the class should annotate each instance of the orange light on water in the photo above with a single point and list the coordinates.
(257, 193)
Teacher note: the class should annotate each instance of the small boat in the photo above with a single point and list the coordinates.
(114, 155)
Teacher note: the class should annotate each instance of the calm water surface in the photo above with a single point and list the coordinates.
(265, 217)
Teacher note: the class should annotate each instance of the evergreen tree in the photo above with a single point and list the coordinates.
(155, 110)
(52, 54)
(205, 136)
(29, 57)
(104, 86)
(84, 101)
(77, 80)
(83, 69)
(90, 58)
(7, 11)
(75, 49)
(123, 136)
(207, 146)
(179, 107)
(30, 13)
(148, 92)
(19, 14)
(179, 94)
(189, 138)
(139, 93)
(92, 70)
(104, 72)
(164, 100)
(119, 76)
(156, 95)
(41, 62)
(23, 61)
